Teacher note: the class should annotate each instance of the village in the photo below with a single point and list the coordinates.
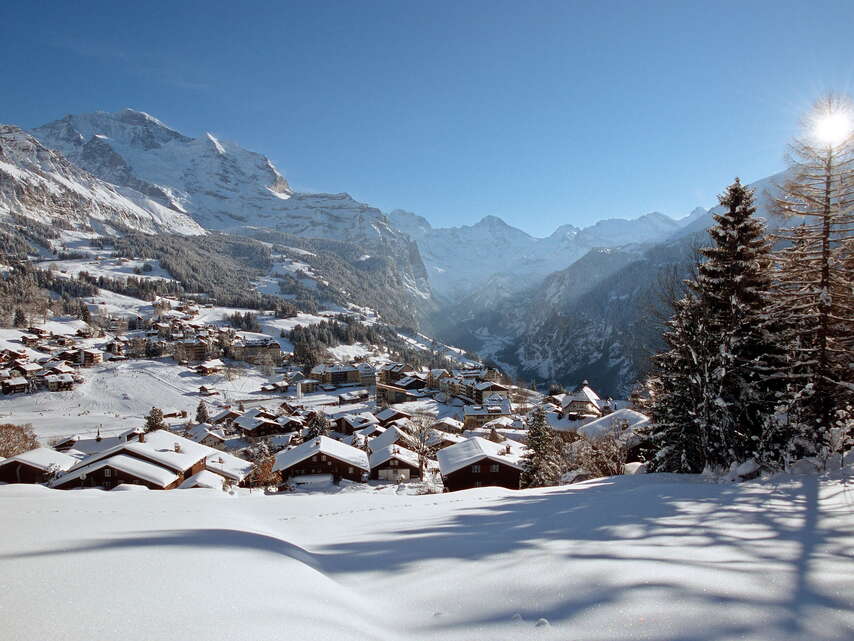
(359, 420)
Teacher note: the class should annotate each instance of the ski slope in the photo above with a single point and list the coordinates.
(655, 558)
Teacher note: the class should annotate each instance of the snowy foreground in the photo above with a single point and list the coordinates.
(649, 557)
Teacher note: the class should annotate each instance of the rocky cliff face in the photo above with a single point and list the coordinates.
(42, 184)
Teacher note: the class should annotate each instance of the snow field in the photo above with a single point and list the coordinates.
(654, 557)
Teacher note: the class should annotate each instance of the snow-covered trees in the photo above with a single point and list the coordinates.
(154, 420)
(815, 300)
(16, 439)
(202, 415)
(714, 394)
(318, 425)
(542, 463)
(20, 318)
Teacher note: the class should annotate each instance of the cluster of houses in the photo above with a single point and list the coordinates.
(56, 370)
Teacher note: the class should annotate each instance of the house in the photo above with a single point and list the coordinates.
(157, 460)
(390, 373)
(324, 456)
(394, 463)
(353, 397)
(30, 340)
(350, 423)
(494, 406)
(367, 374)
(477, 462)
(26, 369)
(448, 424)
(483, 389)
(389, 415)
(435, 376)
(90, 357)
(35, 466)
(208, 368)
(583, 402)
(15, 385)
(225, 417)
(5, 374)
(206, 434)
(394, 435)
(204, 390)
(59, 382)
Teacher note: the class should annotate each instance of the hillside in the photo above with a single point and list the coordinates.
(607, 560)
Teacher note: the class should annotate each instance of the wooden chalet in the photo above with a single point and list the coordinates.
(394, 463)
(208, 368)
(323, 456)
(15, 385)
(477, 462)
(59, 382)
(35, 466)
(389, 415)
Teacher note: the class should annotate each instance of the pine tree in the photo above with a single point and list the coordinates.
(541, 465)
(154, 420)
(678, 392)
(84, 313)
(20, 318)
(317, 426)
(202, 415)
(814, 294)
(732, 287)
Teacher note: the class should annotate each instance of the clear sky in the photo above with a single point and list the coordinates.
(543, 113)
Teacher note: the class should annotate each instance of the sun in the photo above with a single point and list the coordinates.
(832, 127)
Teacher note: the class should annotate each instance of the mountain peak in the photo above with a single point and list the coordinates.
(491, 221)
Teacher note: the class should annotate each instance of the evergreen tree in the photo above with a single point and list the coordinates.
(154, 420)
(678, 391)
(84, 313)
(202, 415)
(541, 465)
(317, 426)
(20, 318)
(732, 286)
(814, 294)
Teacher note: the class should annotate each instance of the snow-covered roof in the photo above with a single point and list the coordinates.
(215, 362)
(228, 465)
(131, 465)
(160, 446)
(493, 404)
(392, 435)
(42, 458)
(472, 450)
(388, 413)
(17, 380)
(201, 431)
(204, 479)
(613, 424)
(322, 445)
(583, 394)
(378, 457)
(453, 423)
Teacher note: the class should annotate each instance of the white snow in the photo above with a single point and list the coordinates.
(650, 557)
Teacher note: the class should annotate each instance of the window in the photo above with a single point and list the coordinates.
(107, 473)
(350, 470)
(493, 467)
(475, 469)
(323, 457)
(393, 462)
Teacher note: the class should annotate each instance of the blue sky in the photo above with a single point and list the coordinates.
(543, 113)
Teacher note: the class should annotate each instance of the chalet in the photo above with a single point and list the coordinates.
(13, 354)
(406, 389)
(349, 423)
(204, 390)
(40, 332)
(323, 456)
(15, 385)
(390, 373)
(90, 357)
(394, 463)
(435, 376)
(448, 424)
(35, 466)
(208, 368)
(477, 462)
(262, 350)
(394, 435)
(225, 417)
(494, 406)
(68, 355)
(59, 382)
(232, 468)
(58, 367)
(157, 460)
(30, 340)
(26, 369)
(205, 479)
(389, 415)
(206, 434)
(88, 446)
(5, 374)
(484, 389)
(583, 402)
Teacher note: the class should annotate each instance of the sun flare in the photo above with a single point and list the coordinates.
(832, 127)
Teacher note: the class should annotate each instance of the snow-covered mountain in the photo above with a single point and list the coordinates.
(462, 260)
(42, 184)
(218, 183)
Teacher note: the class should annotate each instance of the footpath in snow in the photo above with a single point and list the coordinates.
(656, 557)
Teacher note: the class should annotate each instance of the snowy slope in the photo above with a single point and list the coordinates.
(41, 184)
(461, 261)
(654, 558)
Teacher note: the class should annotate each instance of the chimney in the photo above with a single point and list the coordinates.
(142, 437)
(177, 446)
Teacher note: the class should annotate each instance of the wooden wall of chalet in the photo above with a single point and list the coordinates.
(17, 472)
(414, 470)
(317, 465)
(99, 478)
(466, 478)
